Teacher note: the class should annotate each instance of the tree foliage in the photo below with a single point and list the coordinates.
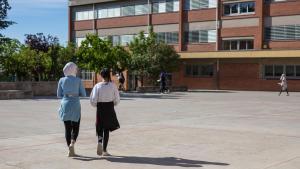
(4, 8)
(149, 57)
(40, 42)
(95, 54)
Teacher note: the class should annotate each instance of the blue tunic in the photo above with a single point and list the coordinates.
(69, 89)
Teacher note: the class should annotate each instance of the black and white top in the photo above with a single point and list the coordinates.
(105, 92)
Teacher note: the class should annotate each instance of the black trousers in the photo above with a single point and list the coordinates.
(103, 137)
(286, 90)
(71, 130)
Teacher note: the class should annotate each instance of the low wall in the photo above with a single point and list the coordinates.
(157, 88)
(44, 88)
(16, 86)
(37, 88)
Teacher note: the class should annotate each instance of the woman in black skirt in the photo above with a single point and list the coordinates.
(105, 96)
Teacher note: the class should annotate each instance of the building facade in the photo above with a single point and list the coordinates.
(223, 44)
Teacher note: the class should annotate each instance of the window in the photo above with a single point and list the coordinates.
(163, 6)
(199, 70)
(78, 41)
(278, 70)
(201, 36)
(126, 39)
(239, 8)
(102, 13)
(176, 5)
(114, 12)
(199, 4)
(275, 71)
(167, 37)
(290, 70)
(84, 15)
(238, 44)
(127, 10)
(116, 40)
(87, 75)
(282, 32)
(269, 70)
(141, 9)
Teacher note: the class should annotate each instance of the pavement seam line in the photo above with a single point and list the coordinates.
(286, 161)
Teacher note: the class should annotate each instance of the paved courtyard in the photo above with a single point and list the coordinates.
(201, 129)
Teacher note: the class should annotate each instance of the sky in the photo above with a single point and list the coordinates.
(38, 16)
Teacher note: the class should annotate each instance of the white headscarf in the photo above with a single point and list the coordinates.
(70, 69)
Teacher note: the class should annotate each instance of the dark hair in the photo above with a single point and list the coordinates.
(105, 73)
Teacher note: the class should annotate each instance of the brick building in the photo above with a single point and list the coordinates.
(223, 44)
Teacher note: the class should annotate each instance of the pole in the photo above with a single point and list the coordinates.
(217, 25)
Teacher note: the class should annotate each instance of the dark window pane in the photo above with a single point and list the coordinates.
(269, 70)
(243, 7)
(234, 45)
(250, 44)
(251, 6)
(278, 70)
(243, 45)
(194, 37)
(195, 70)
(298, 71)
(207, 70)
(226, 9)
(188, 70)
(234, 8)
(289, 70)
(226, 45)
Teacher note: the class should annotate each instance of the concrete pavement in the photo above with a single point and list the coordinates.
(201, 129)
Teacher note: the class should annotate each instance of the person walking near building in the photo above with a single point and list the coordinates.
(105, 96)
(163, 82)
(69, 89)
(121, 80)
(283, 84)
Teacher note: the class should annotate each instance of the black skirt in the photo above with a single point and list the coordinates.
(106, 117)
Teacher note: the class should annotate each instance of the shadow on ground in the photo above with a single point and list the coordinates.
(149, 96)
(210, 91)
(161, 161)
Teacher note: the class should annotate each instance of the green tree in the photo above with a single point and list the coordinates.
(65, 55)
(149, 56)
(7, 50)
(95, 54)
(4, 7)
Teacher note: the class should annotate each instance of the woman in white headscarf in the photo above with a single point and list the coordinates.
(69, 89)
(283, 84)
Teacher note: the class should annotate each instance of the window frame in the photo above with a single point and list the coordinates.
(196, 70)
(239, 4)
(274, 76)
(238, 44)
